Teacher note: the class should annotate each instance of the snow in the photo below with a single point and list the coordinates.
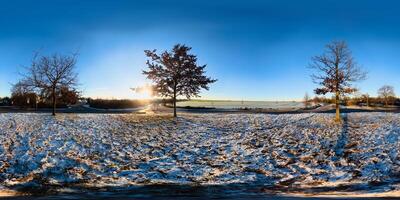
(136, 149)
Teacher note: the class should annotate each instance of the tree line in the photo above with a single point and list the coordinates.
(386, 97)
(52, 80)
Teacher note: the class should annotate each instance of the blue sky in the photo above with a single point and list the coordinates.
(258, 50)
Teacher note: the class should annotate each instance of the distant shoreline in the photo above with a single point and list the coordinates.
(196, 109)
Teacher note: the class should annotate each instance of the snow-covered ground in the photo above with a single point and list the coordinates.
(301, 150)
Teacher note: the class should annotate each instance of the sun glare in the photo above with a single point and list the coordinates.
(143, 92)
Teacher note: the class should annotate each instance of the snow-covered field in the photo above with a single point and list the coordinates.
(119, 150)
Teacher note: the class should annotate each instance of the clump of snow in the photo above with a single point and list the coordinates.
(286, 149)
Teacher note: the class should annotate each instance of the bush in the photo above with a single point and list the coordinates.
(116, 104)
(6, 101)
(26, 100)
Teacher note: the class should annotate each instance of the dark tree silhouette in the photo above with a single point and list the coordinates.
(49, 74)
(23, 96)
(386, 92)
(176, 73)
(336, 71)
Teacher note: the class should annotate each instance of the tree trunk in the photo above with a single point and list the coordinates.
(337, 101)
(54, 101)
(174, 101)
(337, 93)
(36, 102)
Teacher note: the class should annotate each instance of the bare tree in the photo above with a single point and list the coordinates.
(366, 98)
(21, 88)
(48, 74)
(306, 101)
(386, 92)
(336, 71)
(176, 73)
